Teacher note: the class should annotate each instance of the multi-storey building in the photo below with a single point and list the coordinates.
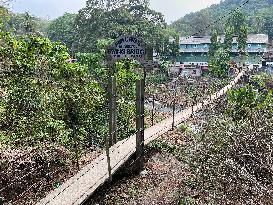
(194, 50)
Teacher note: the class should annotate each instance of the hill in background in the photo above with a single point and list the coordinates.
(259, 15)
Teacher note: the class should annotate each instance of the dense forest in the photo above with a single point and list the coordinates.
(259, 17)
(97, 21)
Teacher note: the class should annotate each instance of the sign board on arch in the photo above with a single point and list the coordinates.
(128, 47)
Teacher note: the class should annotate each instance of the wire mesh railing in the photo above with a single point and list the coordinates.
(166, 100)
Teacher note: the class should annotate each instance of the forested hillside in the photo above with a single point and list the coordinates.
(259, 17)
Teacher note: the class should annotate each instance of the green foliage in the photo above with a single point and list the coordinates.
(4, 17)
(259, 17)
(94, 62)
(229, 31)
(193, 23)
(164, 146)
(184, 128)
(192, 92)
(105, 19)
(220, 52)
(126, 76)
(245, 100)
(267, 24)
(262, 81)
(40, 101)
(157, 79)
(214, 43)
(172, 48)
(47, 100)
(21, 23)
(63, 29)
(26, 24)
(219, 64)
(237, 20)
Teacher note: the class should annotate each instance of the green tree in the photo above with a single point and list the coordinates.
(258, 22)
(238, 21)
(214, 43)
(4, 17)
(63, 29)
(245, 100)
(229, 31)
(199, 23)
(219, 64)
(242, 42)
(220, 52)
(267, 27)
(40, 100)
(26, 24)
(259, 13)
(110, 19)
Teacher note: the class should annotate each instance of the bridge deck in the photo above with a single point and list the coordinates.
(77, 189)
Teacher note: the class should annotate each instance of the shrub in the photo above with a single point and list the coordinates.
(232, 161)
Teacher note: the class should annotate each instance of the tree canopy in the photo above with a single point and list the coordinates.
(110, 19)
(259, 17)
(63, 29)
(220, 52)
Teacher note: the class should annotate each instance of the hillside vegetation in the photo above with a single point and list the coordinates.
(259, 17)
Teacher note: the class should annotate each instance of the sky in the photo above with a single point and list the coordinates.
(50, 9)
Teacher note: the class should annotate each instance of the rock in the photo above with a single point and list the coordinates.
(144, 173)
(125, 196)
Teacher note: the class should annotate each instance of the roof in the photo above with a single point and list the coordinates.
(251, 38)
(257, 38)
(195, 40)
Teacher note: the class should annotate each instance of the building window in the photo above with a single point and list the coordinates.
(259, 45)
(195, 46)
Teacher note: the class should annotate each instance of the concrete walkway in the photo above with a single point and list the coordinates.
(77, 189)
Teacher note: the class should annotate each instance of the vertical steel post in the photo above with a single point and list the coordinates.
(153, 110)
(112, 137)
(139, 121)
(108, 157)
(112, 111)
(174, 101)
(142, 112)
(114, 84)
(76, 142)
(110, 101)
